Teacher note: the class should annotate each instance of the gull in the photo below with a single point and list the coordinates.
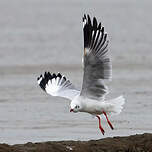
(97, 67)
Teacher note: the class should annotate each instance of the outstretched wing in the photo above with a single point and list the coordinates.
(57, 85)
(97, 64)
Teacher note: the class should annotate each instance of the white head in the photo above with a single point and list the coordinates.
(75, 106)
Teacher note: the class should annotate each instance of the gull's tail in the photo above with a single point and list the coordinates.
(117, 105)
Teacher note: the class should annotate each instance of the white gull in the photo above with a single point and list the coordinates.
(97, 67)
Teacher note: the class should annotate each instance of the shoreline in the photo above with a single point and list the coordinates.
(133, 143)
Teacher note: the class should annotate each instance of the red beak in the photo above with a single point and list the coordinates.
(71, 110)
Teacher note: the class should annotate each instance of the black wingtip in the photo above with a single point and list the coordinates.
(95, 23)
(43, 80)
(102, 29)
(54, 76)
(59, 75)
(64, 78)
(89, 20)
(94, 34)
(49, 75)
(99, 26)
(85, 16)
(38, 78)
(42, 83)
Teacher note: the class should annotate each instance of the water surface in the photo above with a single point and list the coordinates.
(47, 35)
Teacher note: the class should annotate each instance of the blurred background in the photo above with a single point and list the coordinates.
(39, 35)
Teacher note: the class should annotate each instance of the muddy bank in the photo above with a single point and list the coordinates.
(134, 143)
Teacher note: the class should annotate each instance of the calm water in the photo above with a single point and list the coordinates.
(44, 35)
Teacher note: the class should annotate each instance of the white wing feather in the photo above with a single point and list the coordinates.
(57, 85)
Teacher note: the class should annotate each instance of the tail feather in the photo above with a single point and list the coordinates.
(117, 105)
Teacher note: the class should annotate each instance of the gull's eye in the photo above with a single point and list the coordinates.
(76, 106)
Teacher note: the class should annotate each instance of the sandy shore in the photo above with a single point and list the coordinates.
(134, 143)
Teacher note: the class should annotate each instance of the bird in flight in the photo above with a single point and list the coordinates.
(97, 67)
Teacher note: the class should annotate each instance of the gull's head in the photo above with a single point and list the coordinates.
(75, 107)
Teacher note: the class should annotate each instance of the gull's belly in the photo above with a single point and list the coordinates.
(94, 108)
(93, 111)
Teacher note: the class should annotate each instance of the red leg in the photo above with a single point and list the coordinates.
(108, 121)
(100, 127)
